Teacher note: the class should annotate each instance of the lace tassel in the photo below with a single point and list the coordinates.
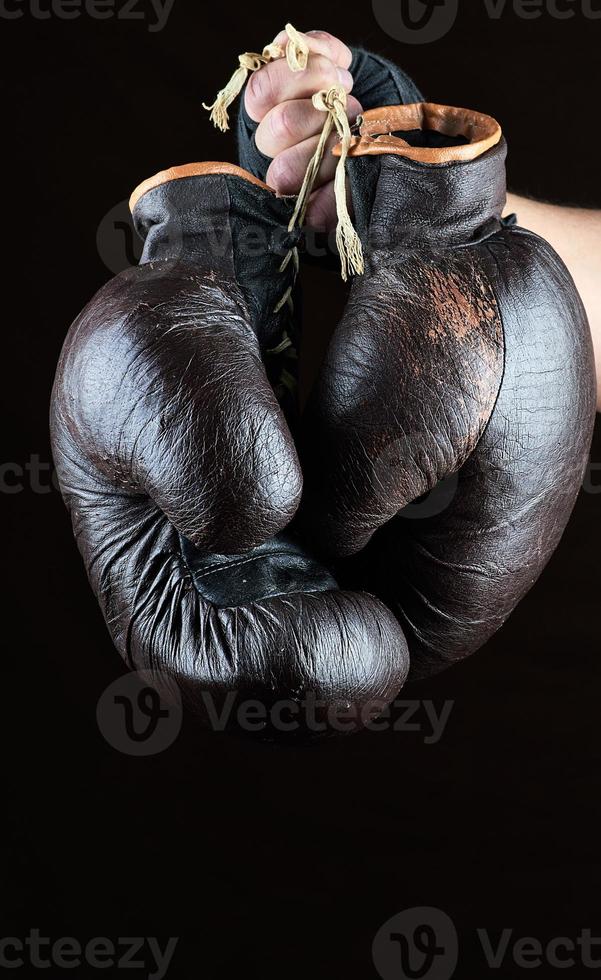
(333, 102)
(297, 54)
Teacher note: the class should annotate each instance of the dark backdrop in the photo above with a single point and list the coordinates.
(270, 862)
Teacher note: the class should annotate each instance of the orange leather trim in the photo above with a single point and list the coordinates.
(193, 170)
(483, 132)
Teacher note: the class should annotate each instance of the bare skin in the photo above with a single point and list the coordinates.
(575, 234)
(289, 128)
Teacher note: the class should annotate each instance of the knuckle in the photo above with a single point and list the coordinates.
(324, 36)
(337, 50)
(282, 173)
(261, 90)
(262, 141)
(353, 107)
(282, 124)
(325, 67)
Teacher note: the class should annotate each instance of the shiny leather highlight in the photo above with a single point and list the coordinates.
(181, 475)
(464, 355)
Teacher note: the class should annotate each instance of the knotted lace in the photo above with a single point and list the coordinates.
(296, 53)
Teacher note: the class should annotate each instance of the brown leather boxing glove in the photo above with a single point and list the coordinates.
(463, 363)
(178, 468)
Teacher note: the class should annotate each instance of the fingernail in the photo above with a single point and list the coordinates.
(345, 78)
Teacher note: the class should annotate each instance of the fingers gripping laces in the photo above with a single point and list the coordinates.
(297, 50)
(296, 53)
(333, 102)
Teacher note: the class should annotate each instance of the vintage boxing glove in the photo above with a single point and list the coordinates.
(180, 473)
(463, 362)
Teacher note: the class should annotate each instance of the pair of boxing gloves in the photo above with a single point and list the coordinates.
(237, 548)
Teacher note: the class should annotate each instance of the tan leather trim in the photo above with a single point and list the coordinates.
(483, 132)
(193, 170)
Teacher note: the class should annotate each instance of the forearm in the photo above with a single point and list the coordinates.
(575, 234)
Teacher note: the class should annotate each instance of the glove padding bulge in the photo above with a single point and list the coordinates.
(179, 470)
(464, 353)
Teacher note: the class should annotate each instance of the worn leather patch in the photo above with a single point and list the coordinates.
(406, 391)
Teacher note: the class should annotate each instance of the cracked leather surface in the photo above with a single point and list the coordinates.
(463, 361)
(181, 476)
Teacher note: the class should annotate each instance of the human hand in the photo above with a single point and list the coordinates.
(289, 125)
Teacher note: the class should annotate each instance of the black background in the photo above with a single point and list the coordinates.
(265, 861)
